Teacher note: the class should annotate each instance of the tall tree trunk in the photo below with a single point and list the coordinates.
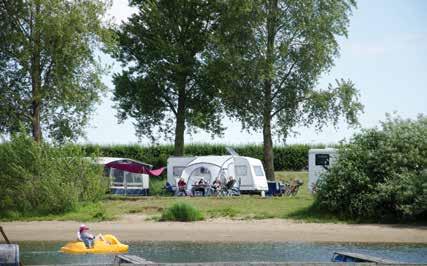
(268, 105)
(180, 124)
(36, 77)
(268, 141)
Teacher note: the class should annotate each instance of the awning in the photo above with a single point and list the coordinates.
(135, 168)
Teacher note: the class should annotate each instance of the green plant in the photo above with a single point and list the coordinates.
(40, 179)
(181, 212)
(157, 186)
(380, 175)
(290, 157)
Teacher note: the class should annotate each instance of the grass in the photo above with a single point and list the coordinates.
(243, 207)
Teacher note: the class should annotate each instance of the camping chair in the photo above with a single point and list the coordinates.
(294, 187)
(168, 189)
(227, 189)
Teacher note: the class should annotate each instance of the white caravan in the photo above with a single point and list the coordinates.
(249, 172)
(319, 160)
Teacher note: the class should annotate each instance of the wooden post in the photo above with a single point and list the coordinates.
(4, 235)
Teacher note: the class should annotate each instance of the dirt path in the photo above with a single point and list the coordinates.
(135, 228)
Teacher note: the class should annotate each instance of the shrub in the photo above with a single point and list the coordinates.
(43, 179)
(181, 212)
(290, 157)
(157, 186)
(381, 174)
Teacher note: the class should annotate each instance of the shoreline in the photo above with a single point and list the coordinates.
(136, 228)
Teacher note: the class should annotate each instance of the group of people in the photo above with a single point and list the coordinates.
(201, 185)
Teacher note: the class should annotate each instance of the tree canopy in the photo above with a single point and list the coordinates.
(268, 57)
(49, 75)
(165, 88)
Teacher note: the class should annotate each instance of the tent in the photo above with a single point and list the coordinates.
(248, 171)
(128, 176)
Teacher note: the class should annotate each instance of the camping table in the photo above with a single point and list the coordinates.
(199, 187)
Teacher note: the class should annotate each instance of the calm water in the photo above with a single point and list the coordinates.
(47, 252)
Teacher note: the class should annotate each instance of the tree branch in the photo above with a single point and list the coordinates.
(170, 104)
(16, 20)
(276, 93)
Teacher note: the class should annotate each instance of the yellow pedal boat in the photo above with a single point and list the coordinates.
(110, 245)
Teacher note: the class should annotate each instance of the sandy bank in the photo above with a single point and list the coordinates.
(135, 228)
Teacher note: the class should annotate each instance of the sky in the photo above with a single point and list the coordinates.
(385, 55)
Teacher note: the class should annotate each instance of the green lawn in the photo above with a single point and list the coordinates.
(242, 207)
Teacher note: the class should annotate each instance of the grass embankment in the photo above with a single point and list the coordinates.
(242, 207)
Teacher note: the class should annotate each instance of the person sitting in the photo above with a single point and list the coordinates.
(216, 186)
(169, 189)
(84, 236)
(182, 185)
(200, 186)
(230, 183)
(87, 238)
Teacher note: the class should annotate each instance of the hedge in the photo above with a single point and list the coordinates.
(290, 157)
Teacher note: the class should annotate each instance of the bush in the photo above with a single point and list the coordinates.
(39, 179)
(291, 157)
(181, 212)
(381, 174)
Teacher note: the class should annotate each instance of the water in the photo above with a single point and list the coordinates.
(47, 252)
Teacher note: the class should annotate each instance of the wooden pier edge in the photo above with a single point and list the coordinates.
(248, 263)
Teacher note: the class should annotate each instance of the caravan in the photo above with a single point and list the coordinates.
(248, 171)
(128, 176)
(319, 161)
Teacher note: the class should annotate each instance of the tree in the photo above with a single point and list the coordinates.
(49, 77)
(165, 83)
(269, 55)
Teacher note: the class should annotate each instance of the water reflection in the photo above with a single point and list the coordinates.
(38, 253)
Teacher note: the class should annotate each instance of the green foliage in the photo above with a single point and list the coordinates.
(43, 179)
(182, 212)
(166, 90)
(49, 77)
(156, 186)
(267, 60)
(290, 157)
(381, 174)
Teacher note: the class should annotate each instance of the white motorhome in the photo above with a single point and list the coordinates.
(248, 171)
(319, 160)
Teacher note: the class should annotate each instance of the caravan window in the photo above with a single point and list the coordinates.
(258, 170)
(177, 171)
(322, 159)
(241, 170)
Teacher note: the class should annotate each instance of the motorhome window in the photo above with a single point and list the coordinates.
(241, 170)
(258, 170)
(322, 159)
(177, 171)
